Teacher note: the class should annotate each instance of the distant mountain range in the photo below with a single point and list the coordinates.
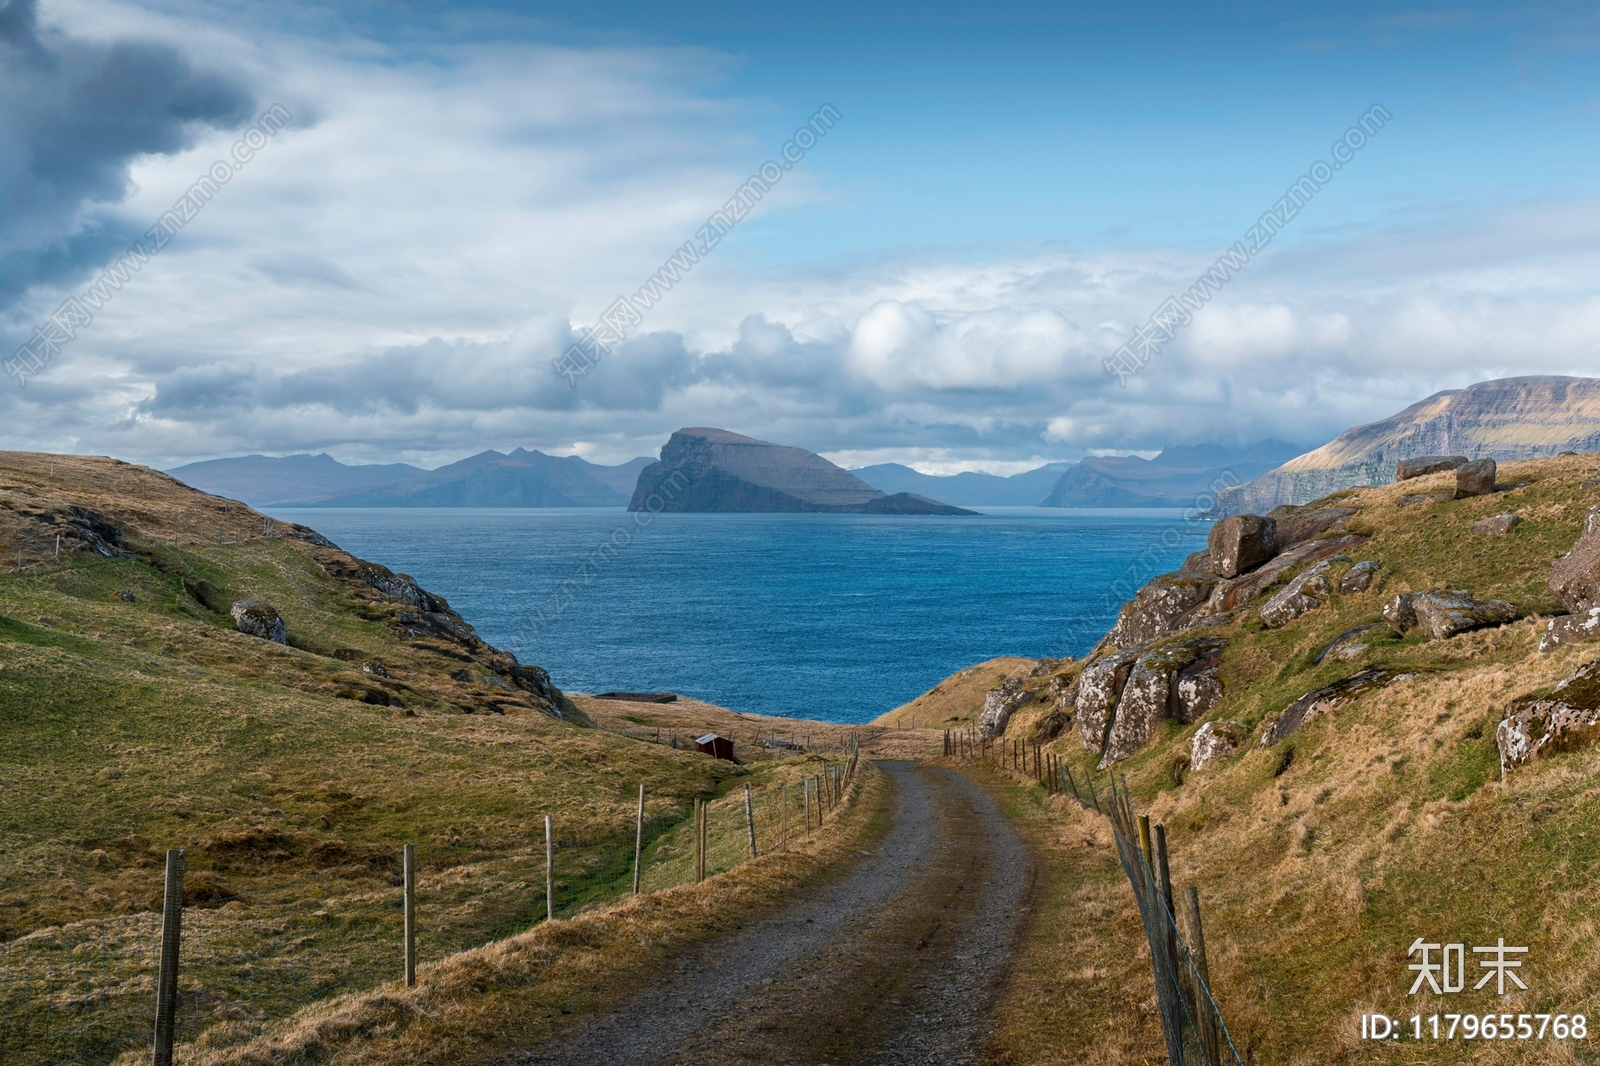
(705, 469)
(1507, 418)
(1178, 477)
(970, 488)
(489, 479)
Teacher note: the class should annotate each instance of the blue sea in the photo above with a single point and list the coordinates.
(834, 617)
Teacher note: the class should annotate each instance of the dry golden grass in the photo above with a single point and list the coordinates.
(1320, 860)
(518, 992)
(958, 699)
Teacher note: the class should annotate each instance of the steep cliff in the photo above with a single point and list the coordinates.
(714, 470)
(1508, 418)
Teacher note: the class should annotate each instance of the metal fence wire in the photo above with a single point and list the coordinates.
(257, 945)
(1190, 1018)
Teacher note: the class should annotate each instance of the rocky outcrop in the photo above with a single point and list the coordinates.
(1324, 700)
(1498, 526)
(1399, 613)
(1099, 688)
(1441, 614)
(1359, 577)
(1306, 592)
(1575, 577)
(1214, 740)
(1511, 418)
(1241, 543)
(1160, 608)
(1230, 595)
(402, 587)
(999, 705)
(1175, 680)
(714, 470)
(259, 620)
(1570, 629)
(1475, 479)
(1298, 524)
(1542, 724)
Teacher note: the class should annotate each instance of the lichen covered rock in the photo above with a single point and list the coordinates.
(1575, 577)
(1570, 629)
(1099, 688)
(1567, 717)
(1498, 526)
(998, 706)
(1214, 740)
(259, 620)
(1359, 577)
(1442, 614)
(1305, 593)
(1323, 700)
(1160, 608)
(1175, 680)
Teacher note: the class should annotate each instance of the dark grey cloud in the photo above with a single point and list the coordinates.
(73, 115)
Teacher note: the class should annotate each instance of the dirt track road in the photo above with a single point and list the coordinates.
(896, 961)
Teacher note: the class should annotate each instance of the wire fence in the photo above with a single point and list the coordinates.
(257, 946)
(1191, 1021)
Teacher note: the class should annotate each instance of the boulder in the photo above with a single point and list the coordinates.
(1441, 614)
(1400, 614)
(1198, 562)
(1498, 526)
(998, 706)
(1233, 593)
(1575, 577)
(1570, 629)
(1359, 577)
(375, 667)
(1475, 478)
(1427, 464)
(1325, 699)
(1241, 543)
(1305, 593)
(1540, 724)
(1295, 525)
(1152, 693)
(1099, 688)
(1159, 608)
(259, 620)
(1214, 740)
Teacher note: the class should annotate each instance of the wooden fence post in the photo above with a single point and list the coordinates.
(167, 976)
(549, 870)
(750, 820)
(408, 879)
(638, 840)
(1206, 1017)
(783, 818)
(700, 841)
(805, 794)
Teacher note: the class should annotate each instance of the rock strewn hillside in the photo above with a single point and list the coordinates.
(705, 469)
(1508, 418)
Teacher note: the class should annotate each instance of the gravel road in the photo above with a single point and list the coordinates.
(895, 962)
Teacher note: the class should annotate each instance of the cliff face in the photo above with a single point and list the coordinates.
(705, 469)
(1508, 419)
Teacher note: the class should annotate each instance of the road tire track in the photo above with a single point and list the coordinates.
(897, 962)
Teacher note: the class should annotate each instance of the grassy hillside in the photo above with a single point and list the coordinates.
(134, 717)
(1322, 858)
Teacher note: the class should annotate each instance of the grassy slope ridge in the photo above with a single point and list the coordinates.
(1322, 858)
(127, 728)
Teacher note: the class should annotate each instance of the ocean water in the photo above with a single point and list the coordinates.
(835, 617)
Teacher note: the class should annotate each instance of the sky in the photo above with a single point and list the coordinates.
(1002, 194)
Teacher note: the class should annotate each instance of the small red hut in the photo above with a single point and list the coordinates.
(715, 746)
